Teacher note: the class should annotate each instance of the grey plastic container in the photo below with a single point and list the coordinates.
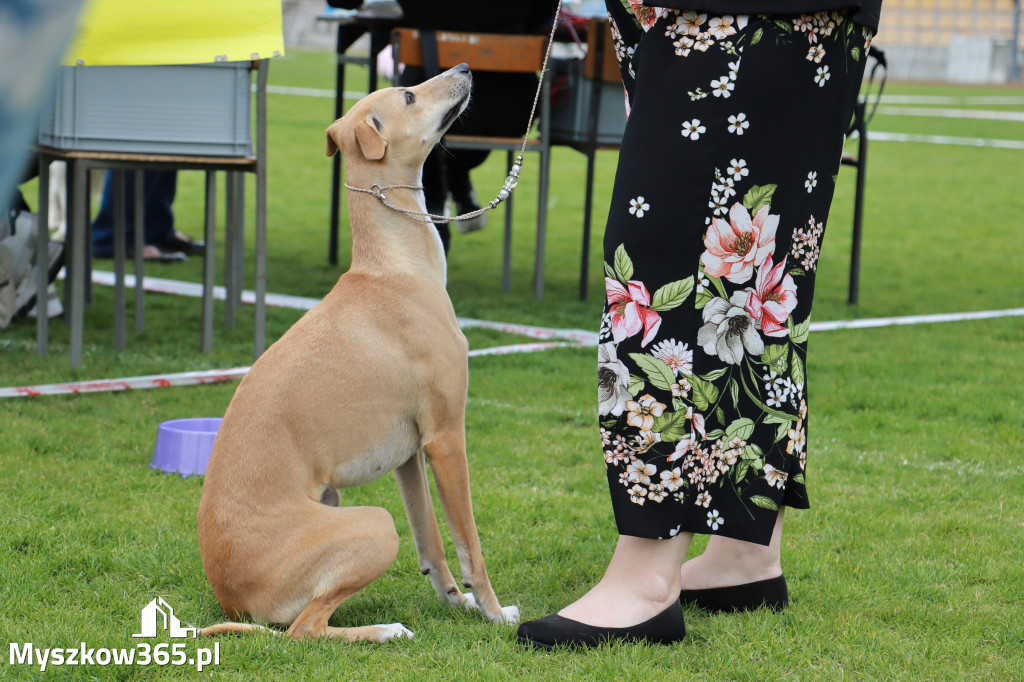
(200, 109)
(570, 111)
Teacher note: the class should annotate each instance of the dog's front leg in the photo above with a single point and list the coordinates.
(447, 455)
(415, 491)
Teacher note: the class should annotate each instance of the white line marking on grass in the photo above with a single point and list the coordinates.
(880, 136)
(874, 322)
(1016, 116)
(310, 92)
(984, 100)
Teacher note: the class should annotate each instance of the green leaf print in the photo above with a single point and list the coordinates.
(782, 431)
(741, 427)
(672, 294)
(703, 298)
(659, 374)
(758, 196)
(800, 332)
(764, 502)
(636, 384)
(715, 375)
(705, 393)
(775, 357)
(798, 478)
(608, 271)
(855, 53)
(734, 393)
(623, 264)
(797, 372)
(757, 36)
(672, 426)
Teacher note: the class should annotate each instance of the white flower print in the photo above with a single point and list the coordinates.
(715, 520)
(657, 493)
(811, 181)
(703, 41)
(612, 381)
(738, 168)
(637, 494)
(638, 207)
(733, 68)
(691, 22)
(729, 330)
(815, 54)
(640, 472)
(775, 477)
(672, 479)
(738, 123)
(703, 500)
(721, 27)
(722, 87)
(683, 46)
(702, 284)
(823, 75)
(693, 129)
(676, 355)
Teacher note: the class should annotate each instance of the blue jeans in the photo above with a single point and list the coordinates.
(158, 192)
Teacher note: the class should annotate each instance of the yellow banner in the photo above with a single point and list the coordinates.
(176, 32)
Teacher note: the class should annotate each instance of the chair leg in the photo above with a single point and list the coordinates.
(588, 208)
(506, 251)
(42, 256)
(140, 262)
(542, 220)
(229, 249)
(858, 214)
(78, 225)
(208, 261)
(239, 244)
(119, 260)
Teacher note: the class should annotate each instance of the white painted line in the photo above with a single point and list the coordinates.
(127, 383)
(310, 92)
(880, 136)
(982, 100)
(980, 114)
(873, 322)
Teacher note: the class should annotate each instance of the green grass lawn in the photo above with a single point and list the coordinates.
(909, 565)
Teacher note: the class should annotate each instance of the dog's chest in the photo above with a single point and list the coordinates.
(386, 452)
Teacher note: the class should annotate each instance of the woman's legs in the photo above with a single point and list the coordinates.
(641, 581)
(727, 562)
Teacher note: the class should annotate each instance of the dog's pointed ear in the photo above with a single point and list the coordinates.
(370, 138)
(333, 138)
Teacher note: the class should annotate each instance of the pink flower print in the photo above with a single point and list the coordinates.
(631, 310)
(735, 247)
(773, 298)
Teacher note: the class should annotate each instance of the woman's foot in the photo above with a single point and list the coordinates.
(733, 575)
(641, 581)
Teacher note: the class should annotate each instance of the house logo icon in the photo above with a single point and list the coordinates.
(157, 614)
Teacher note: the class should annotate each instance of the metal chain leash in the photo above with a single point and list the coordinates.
(511, 181)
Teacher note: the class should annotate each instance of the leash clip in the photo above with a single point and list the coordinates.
(377, 191)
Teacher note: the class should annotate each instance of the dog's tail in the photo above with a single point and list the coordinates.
(228, 628)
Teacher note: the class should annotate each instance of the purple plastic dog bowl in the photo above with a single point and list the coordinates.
(183, 445)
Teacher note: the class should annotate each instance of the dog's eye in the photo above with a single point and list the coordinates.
(409, 97)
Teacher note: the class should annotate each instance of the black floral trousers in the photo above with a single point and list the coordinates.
(724, 181)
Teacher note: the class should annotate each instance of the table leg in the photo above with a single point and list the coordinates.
(43, 257)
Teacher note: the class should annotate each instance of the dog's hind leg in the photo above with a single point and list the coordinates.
(342, 557)
(412, 484)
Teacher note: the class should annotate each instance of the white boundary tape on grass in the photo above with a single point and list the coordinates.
(881, 136)
(571, 338)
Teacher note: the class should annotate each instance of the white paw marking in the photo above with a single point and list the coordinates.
(510, 615)
(470, 601)
(395, 631)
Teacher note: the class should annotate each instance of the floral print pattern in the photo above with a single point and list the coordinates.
(709, 279)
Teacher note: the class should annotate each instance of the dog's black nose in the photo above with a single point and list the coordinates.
(462, 68)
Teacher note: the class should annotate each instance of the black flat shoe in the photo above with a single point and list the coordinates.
(182, 243)
(554, 630)
(771, 594)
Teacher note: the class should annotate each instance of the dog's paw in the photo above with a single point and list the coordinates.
(395, 631)
(469, 601)
(509, 615)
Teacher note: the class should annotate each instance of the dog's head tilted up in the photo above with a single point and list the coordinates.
(402, 124)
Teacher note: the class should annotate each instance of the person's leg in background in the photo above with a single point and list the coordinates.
(162, 242)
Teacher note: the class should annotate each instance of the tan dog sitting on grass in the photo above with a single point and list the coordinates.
(371, 380)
